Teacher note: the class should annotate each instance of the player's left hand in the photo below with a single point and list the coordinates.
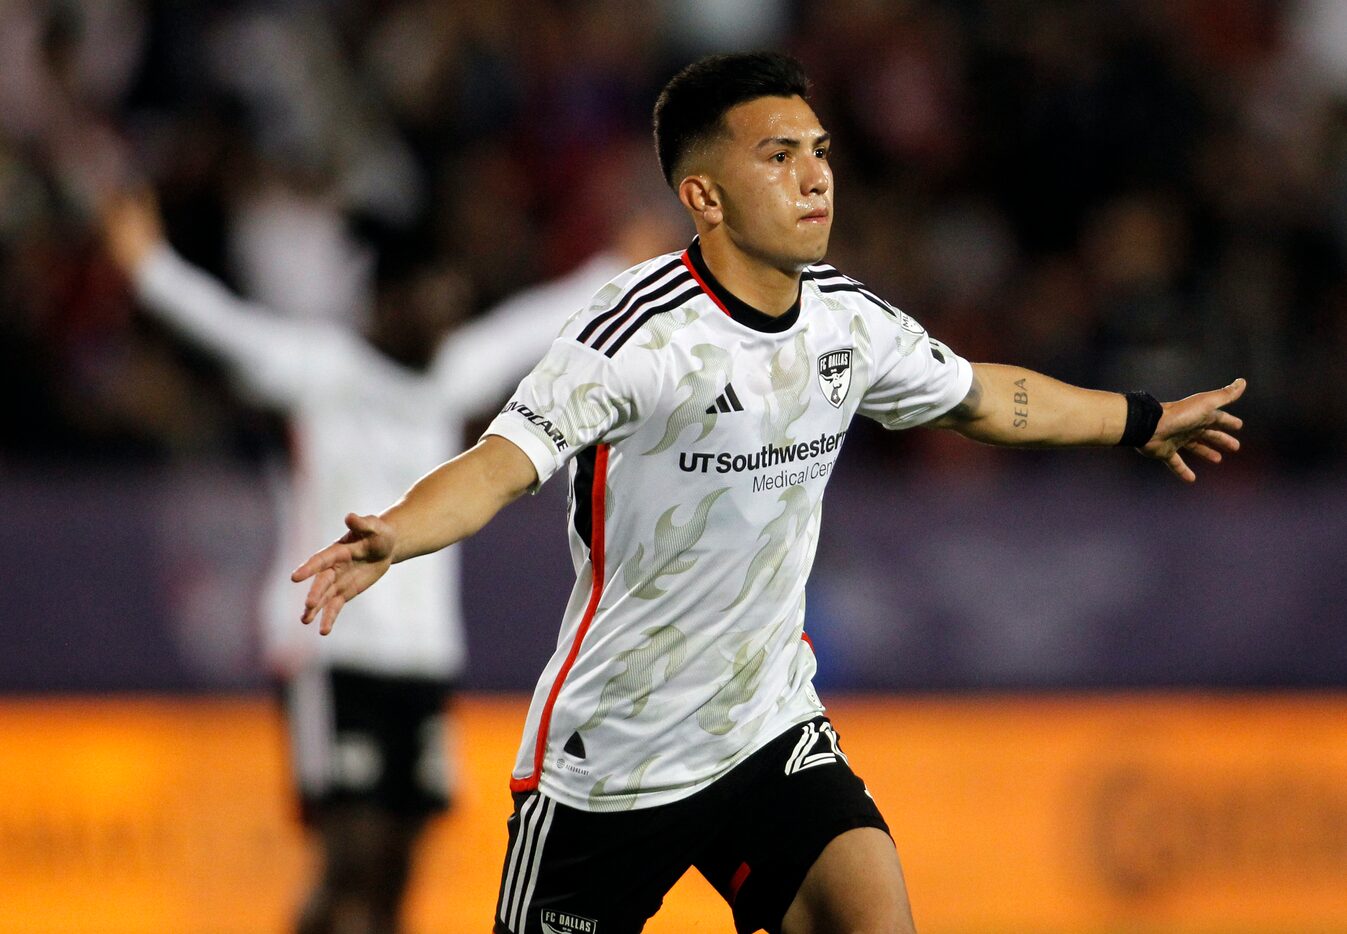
(1199, 425)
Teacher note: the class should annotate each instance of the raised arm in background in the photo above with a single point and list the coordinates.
(447, 505)
(274, 355)
(1009, 405)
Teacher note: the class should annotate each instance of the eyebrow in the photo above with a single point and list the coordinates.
(793, 143)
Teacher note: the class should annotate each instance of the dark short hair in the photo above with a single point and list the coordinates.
(692, 106)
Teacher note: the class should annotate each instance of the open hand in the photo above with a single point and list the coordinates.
(345, 568)
(1199, 425)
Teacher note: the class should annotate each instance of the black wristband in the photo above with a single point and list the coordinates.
(1143, 414)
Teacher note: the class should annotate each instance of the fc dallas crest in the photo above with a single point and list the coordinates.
(834, 375)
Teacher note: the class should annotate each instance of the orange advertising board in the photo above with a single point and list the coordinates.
(1182, 814)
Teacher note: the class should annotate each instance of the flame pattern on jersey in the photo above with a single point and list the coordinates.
(745, 674)
(586, 407)
(659, 331)
(782, 535)
(668, 555)
(547, 374)
(705, 384)
(585, 410)
(636, 681)
(601, 799)
(789, 398)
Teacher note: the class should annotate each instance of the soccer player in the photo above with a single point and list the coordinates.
(365, 709)
(700, 402)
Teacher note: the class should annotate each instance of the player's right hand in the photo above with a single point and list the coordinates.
(345, 568)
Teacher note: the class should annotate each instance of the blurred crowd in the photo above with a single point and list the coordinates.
(1122, 193)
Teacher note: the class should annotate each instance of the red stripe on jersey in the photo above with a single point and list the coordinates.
(687, 261)
(595, 594)
(737, 881)
(804, 636)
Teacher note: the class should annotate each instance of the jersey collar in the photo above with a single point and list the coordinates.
(732, 305)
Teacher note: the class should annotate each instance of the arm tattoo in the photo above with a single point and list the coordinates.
(1021, 404)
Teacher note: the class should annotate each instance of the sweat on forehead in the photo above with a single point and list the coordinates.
(690, 111)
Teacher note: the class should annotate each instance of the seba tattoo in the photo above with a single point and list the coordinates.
(1021, 404)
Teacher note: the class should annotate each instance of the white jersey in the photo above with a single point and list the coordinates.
(363, 430)
(700, 434)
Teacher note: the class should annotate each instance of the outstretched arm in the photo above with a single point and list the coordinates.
(445, 506)
(1013, 406)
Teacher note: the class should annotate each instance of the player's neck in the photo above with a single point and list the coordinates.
(767, 288)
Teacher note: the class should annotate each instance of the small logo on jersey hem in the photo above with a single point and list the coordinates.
(561, 922)
(727, 401)
(834, 375)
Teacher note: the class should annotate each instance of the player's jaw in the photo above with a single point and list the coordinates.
(781, 233)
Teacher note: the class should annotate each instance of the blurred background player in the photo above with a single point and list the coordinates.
(365, 710)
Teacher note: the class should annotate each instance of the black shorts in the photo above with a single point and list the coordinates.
(357, 737)
(753, 834)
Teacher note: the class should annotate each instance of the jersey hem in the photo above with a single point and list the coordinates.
(562, 795)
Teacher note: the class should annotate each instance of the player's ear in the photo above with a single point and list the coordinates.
(699, 195)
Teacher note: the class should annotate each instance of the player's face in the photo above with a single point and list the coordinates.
(775, 182)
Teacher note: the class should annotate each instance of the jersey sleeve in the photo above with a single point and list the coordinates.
(576, 397)
(275, 359)
(917, 378)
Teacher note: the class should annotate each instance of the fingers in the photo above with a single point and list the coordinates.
(324, 598)
(1204, 452)
(1180, 469)
(1222, 398)
(1219, 440)
(307, 569)
(321, 561)
(330, 612)
(1209, 444)
(1208, 407)
(319, 591)
(1198, 425)
(351, 547)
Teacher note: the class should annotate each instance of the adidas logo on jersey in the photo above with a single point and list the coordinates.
(727, 401)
